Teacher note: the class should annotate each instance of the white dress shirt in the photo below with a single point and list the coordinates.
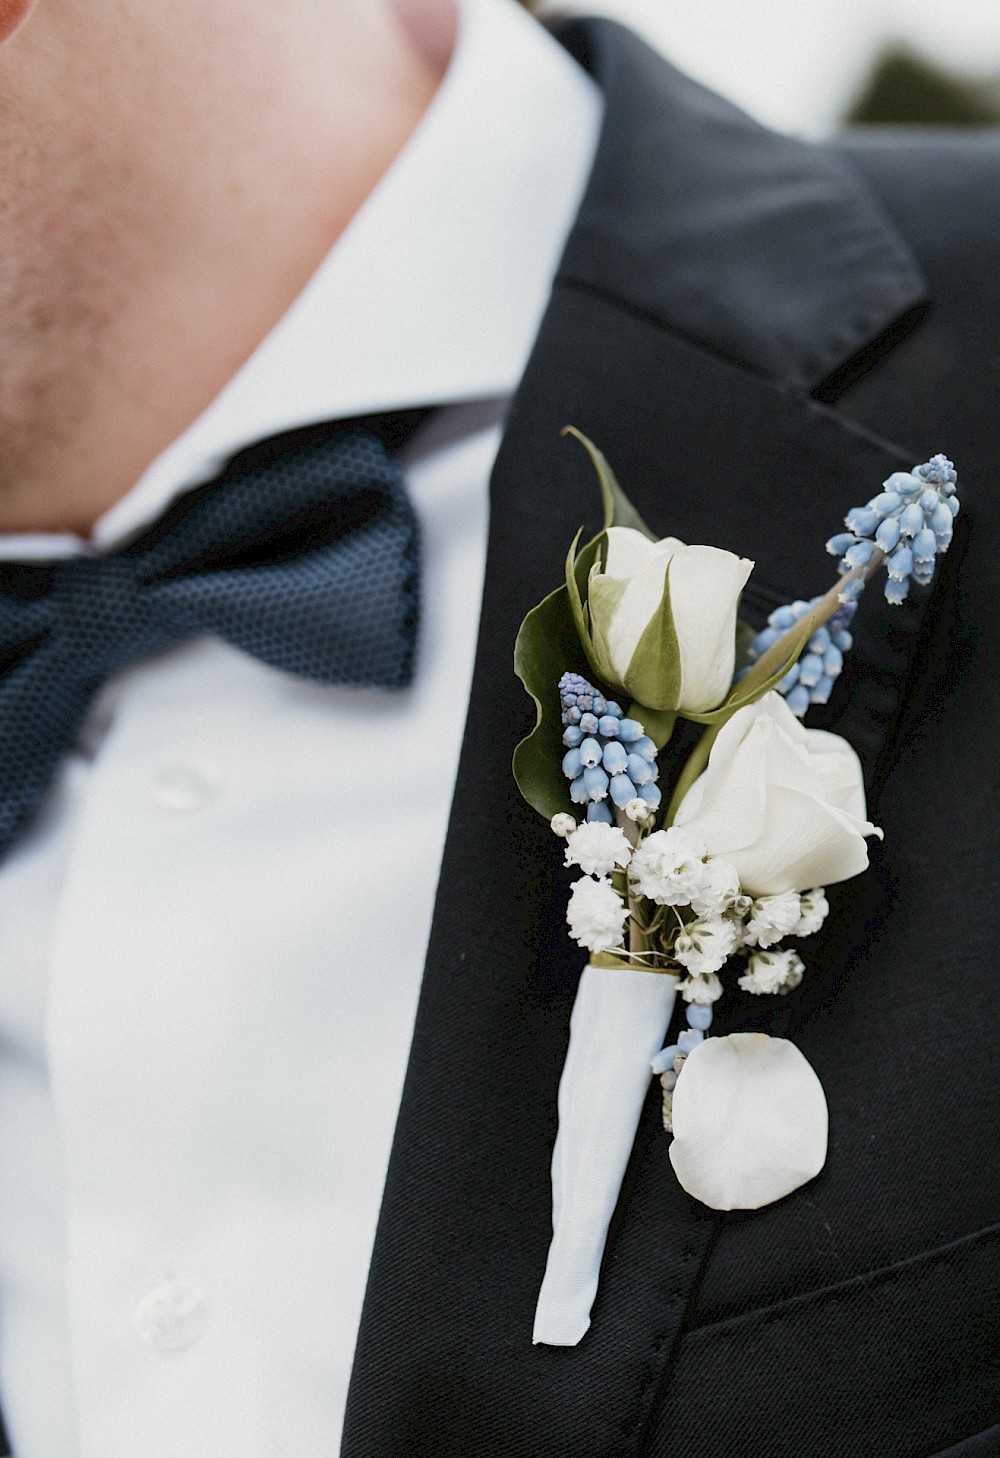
(212, 937)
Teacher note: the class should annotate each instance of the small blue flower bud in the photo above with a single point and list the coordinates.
(941, 520)
(851, 591)
(640, 771)
(572, 715)
(630, 729)
(911, 519)
(644, 746)
(859, 555)
(923, 572)
(698, 1015)
(896, 590)
(784, 618)
(928, 500)
(651, 794)
(590, 753)
(665, 1059)
(585, 702)
(885, 504)
(615, 758)
(820, 641)
(810, 669)
(689, 1038)
(615, 710)
(608, 726)
(596, 782)
(861, 520)
(900, 564)
(837, 546)
(952, 505)
(572, 765)
(820, 693)
(589, 723)
(572, 736)
(622, 790)
(600, 705)
(844, 640)
(924, 546)
(578, 791)
(599, 811)
(798, 700)
(833, 660)
(888, 534)
(791, 678)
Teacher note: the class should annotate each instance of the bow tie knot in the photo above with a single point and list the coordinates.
(303, 553)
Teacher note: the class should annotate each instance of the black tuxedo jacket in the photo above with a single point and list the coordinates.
(756, 332)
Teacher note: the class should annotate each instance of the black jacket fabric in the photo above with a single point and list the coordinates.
(756, 332)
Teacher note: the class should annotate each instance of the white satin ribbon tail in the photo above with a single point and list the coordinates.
(619, 1021)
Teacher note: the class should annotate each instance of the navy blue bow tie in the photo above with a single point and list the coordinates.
(303, 553)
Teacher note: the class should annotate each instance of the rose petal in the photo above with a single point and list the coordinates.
(750, 1121)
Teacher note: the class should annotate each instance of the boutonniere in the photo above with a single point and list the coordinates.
(715, 877)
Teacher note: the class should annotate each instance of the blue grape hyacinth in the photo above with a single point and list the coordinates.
(609, 759)
(911, 520)
(810, 680)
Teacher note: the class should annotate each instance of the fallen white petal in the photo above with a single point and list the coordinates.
(619, 1020)
(750, 1121)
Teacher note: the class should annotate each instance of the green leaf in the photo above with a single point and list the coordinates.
(654, 674)
(618, 510)
(547, 646)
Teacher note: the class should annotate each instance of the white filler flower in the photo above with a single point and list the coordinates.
(596, 915)
(562, 824)
(597, 848)
(704, 989)
(718, 888)
(784, 804)
(814, 912)
(705, 945)
(777, 971)
(750, 1121)
(771, 918)
(668, 867)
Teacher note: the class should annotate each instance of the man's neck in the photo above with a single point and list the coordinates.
(142, 276)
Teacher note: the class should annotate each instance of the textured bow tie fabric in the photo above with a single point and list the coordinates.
(303, 553)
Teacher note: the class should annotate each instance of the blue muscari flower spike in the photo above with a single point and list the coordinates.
(609, 759)
(811, 679)
(910, 520)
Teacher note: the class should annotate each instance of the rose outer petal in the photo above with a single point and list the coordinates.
(750, 1121)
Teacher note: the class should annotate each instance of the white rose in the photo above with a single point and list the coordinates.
(693, 606)
(784, 804)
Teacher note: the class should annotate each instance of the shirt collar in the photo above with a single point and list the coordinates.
(435, 291)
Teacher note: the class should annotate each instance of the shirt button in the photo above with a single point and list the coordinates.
(179, 787)
(171, 1315)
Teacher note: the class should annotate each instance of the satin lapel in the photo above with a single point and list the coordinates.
(710, 451)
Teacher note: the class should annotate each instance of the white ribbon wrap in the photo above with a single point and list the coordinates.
(619, 1022)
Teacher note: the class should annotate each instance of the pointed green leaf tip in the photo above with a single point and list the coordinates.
(618, 510)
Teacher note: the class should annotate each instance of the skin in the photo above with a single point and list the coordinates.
(170, 177)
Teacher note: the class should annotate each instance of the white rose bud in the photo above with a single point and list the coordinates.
(667, 639)
(784, 804)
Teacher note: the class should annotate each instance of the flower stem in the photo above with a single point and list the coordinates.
(824, 610)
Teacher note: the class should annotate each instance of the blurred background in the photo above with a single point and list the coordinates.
(805, 66)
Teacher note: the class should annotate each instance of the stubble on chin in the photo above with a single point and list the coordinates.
(57, 292)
